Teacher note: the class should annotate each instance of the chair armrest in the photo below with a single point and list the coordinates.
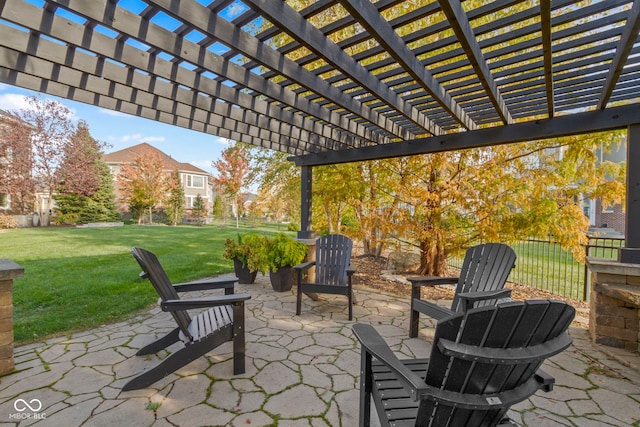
(188, 304)
(304, 266)
(432, 281)
(374, 344)
(545, 380)
(472, 297)
(351, 270)
(506, 356)
(205, 284)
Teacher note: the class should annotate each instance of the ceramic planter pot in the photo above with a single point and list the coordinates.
(282, 279)
(244, 275)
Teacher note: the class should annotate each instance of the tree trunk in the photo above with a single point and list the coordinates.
(327, 212)
(433, 260)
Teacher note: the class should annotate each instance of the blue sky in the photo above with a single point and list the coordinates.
(122, 130)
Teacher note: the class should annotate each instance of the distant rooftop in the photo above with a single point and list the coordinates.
(128, 155)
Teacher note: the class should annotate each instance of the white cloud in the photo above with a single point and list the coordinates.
(136, 138)
(235, 10)
(13, 101)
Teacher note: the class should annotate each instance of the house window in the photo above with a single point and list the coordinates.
(190, 200)
(4, 201)
(195, 181)
(608, 209)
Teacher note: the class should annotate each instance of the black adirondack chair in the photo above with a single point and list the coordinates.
(222, 321)
(482, 278)
(333, 270)
(482, 362)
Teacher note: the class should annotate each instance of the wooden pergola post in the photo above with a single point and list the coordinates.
(631, 252)
(306, 184)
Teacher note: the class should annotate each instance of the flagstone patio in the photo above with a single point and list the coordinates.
(302, 371)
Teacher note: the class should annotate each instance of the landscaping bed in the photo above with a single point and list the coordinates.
(370, 268)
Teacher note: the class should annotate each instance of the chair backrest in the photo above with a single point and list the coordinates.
(160, 281)
(333, 256)
(485, 268)
(512, 325)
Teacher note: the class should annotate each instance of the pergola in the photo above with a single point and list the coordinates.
(352, 80)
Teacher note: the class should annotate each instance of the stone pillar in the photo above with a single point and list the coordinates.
(614, 317)
(9, 270)
(311, 256)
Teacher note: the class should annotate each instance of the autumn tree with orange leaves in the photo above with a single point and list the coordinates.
(232, 168)
(143, 184)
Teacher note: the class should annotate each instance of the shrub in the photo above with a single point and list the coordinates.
(250, 249)
(8, 221)
(284, 251)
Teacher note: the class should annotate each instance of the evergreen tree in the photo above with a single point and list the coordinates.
(100, 207)
(174, 203)
(86, 192)
(73, 208)
(218, 208)
(199, 209)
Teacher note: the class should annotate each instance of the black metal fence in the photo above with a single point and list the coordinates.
(545, 265)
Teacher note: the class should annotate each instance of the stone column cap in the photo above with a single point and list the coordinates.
(9, 270)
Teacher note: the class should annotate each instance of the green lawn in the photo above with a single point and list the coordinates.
(80, 278)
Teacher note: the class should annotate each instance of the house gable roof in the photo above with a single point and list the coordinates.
(128, 155)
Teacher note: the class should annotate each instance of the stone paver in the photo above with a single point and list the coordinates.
(302, 371)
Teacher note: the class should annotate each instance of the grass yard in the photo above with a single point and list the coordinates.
(80, 278)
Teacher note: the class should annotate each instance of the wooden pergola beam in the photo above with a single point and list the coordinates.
(160, 39)
(559, 126)
(547, 52)
(225, 32)
(289, 21)
(367, 15)
(462, 28)
(54, 88)
(627, 41)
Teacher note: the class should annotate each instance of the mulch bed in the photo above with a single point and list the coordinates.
(369, 269)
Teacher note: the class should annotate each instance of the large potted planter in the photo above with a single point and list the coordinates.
(248, 255)
(243, 273)
(283, 254)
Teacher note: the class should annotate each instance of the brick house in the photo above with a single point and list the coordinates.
(608, 217)
(12, 204)
(195, 181)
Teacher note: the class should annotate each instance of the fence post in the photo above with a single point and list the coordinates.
(585, 283)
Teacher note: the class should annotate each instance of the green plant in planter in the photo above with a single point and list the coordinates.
(284, 251)
(283, 254)
(251, 250)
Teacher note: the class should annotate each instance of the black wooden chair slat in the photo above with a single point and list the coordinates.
(333, 271)
(217, 324)
(460, 389)
(484, 272)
